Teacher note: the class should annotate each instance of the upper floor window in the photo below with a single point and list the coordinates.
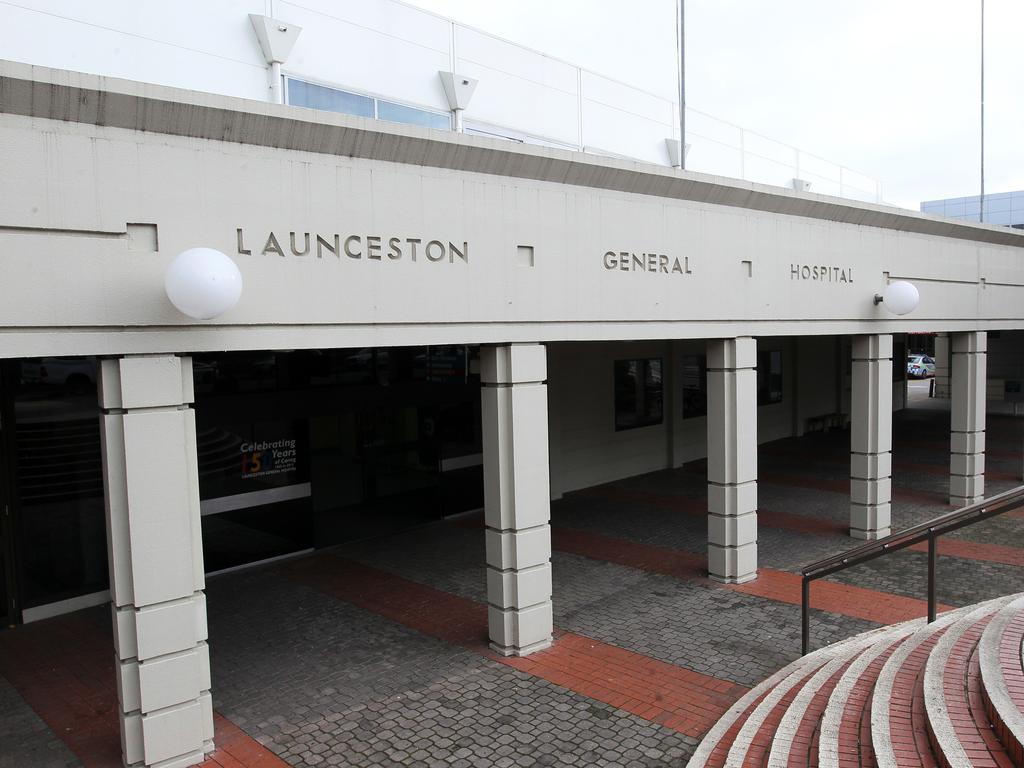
(769, 377)
(695, 386)
(637, 393)
(299, 93)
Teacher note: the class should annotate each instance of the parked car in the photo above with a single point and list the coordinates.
(920, 366)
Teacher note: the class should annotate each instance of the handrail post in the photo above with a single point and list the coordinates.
(805, 616)
(932, 547)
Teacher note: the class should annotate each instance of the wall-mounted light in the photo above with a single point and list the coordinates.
(899, 297)
(203, 283)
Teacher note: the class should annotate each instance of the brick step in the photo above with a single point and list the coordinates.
(713, 750)
(899, 733)
(744, 736)
(958, 726)
(949, 694)
(845, 733)
(795, 739)
(1001, 661)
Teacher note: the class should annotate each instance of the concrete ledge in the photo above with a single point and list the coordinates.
(55, 94)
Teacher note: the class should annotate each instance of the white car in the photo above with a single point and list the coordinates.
(920, 366)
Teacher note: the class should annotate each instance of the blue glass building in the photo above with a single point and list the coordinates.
(1004, 208)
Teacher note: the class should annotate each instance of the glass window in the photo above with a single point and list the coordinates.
(59, 479)
(695, 386)
(235, 372)
(769, 377)
(399, 113)
(638, 393)
(302, 94)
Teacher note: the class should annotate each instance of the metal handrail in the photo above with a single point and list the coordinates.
(930, 532)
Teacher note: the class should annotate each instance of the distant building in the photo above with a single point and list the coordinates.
(1004, 208)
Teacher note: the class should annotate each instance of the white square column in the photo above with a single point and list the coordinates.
(517, 507)
(155, 554)
(967, 418)
(732, 459)
(871, 437)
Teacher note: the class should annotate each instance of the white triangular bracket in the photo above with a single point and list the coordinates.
(277, 38)
(673, 152)
(458, 89)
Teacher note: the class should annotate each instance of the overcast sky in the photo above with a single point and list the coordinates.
(889, 88)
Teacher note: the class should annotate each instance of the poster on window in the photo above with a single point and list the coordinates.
(243, 458)
(263, 458)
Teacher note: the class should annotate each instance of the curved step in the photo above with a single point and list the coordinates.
(794, 737)
(1002, 675)
(899, 735)
(845, 737)
(713, 749)
(754, 741)
(957, 723)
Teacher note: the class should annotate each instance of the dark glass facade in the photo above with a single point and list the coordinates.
(54, 478)
(638, 393)
(296, 450)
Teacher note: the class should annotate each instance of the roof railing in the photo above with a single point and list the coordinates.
(930, 531)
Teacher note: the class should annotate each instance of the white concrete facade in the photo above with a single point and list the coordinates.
(353, 233)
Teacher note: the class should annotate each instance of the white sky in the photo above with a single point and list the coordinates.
(889, 88)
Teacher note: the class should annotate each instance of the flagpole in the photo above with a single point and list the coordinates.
(681, 61)
(981, 207)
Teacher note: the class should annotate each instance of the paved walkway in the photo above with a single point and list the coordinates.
(375, 654)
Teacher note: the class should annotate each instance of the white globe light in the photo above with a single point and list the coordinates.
(203, 283)
(900, 297)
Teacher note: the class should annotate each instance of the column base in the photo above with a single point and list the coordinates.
(526, 650)
(880, 533)
(732, 565)
(870, 521)
(733, 579)
(964, 501)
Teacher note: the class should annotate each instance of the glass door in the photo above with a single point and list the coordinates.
(8, 601)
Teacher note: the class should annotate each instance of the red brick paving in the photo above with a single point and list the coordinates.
(672, 696)
(645, 557)
(843, 487)
(782, 586)
(64, 670)
(975, 550)
(969, 550)
(845, 599)
(236, 749)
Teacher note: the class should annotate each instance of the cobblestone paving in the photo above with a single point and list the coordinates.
(323, 683)
(25, 740)
(668, 619)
